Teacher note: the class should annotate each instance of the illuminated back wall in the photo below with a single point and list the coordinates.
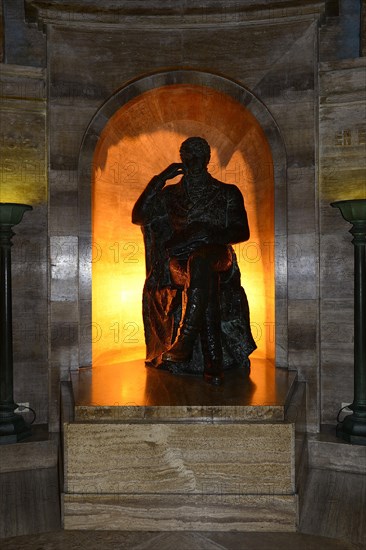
(140, 140)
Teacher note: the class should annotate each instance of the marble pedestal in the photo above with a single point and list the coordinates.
(174, 453)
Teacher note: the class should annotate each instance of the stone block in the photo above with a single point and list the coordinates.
(342, 132)
(301, 200)
(30, 454)
(86, 333)
(281, 333)
(337, 324)
(296, 413)
(64, 268)
(30, 386)
(179, 458)
(280, 197)
(22, 82)
(65, 344)
(54, 380)
(336, 381)
(180, 475)
(89, 252)
(326, 452)
(303, 266)
(342, 81)
(280, 259)
(302, 325)
(331, 220)
(64, 312)
(297, 126)
(68, 125)
(291, 76)
(313, 414)
(303, 335)
(23, 44)
(63, 203)
(337, 266)
(22, 150)
(341, 178)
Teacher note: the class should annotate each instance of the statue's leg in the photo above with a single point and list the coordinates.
(211, 335)
(192, 318)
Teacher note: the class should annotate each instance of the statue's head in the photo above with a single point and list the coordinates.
(195, 153)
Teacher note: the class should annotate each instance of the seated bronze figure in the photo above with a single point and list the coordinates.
(196, 314)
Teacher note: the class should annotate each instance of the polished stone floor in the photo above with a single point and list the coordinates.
(335, 505)
(333, 517)
(117, 540)
(132, 382)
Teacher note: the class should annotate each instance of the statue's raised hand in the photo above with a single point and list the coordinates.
(171, 172)
(158, 182)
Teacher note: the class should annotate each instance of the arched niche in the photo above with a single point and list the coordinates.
(135, 135)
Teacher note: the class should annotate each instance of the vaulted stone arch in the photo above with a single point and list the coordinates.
(216, 91)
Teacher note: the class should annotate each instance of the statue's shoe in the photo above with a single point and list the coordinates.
(214, 379)
(178, 353)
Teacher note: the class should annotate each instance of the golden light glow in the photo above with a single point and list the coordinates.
(131, 384)
(354, 189)
(14, 190)
(139, 141)
(23, 168)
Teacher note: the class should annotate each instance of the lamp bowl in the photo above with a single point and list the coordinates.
(11, 213)
(353, 210)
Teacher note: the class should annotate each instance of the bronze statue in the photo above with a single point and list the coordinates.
(196, 314)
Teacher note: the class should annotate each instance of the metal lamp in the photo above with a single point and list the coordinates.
(13, 428)
(353, 427)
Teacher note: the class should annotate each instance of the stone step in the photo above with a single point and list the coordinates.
(328, 452)
(216, 512)
(177, 454)
(38, 451)
(197, 476)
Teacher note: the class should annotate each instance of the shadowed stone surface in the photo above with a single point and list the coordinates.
(110, 540)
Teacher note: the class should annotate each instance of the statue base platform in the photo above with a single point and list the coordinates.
(148, 450)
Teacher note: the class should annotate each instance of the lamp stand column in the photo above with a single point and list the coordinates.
(13, 428)
(353, 427)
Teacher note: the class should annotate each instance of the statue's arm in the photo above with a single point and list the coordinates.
(148, 206)
(144, 210)
(237, 227)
